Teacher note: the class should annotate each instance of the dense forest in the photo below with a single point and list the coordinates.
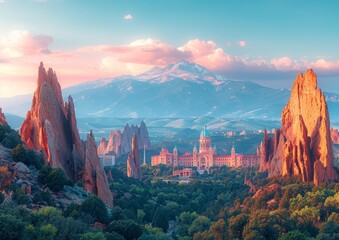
(217, 205)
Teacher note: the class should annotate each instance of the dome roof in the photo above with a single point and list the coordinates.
(205, 132)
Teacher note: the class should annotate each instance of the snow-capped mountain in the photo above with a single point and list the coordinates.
(181, 70)
(178, 90)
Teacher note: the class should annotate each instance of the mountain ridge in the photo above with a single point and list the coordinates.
(172, 92)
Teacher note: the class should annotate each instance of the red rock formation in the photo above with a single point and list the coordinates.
(267, 190)
(94, 177)
(51, 126)
(335, 135)
(303, 147)
(253, 188)
(133, 160)
(2, 117)
(112, 145)
(120, 143)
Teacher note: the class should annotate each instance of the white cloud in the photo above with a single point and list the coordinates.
(128, 17)
(2, 1)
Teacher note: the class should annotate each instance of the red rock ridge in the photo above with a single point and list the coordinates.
(303, 147)
(51, 126)
(120, 143)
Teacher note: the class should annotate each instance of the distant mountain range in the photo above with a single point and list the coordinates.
(180, 90)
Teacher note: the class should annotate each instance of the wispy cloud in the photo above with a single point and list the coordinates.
(2, 1)
(128, 17)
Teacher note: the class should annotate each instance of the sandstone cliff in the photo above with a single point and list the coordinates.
(120, 143)
(51, 126)
(303, 147)
(133, 160)
(2, 118)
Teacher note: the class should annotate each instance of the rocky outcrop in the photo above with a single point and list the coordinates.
(120, 143)
(335, 135)
(50, 126)
(133, 160)
(94, 177)
(267, 190)
(303, 147)
(2, 117)
(112, 145)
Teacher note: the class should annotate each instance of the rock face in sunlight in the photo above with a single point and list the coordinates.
(94, 177)
(120, 143)
(303, 147)
(51, 126)
(335, 135)
(2, 118)
(133, 160)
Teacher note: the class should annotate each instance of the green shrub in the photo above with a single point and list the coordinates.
(96, 208)
(43, 196)
(28, 157)
(20, 197)
(129, 229)
(11, 139)
(56, 180)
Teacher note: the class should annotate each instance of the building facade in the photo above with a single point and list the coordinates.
(185, 173)
(107, 160)
(205, 157)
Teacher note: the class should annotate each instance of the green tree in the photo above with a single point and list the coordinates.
(201, 224)
(93, 236)
(127, 228)
(47, 232)
(237, 225)
(294, 235)
(56, 180)
(11, 227)
(160, 218)
(96, 208)
(219, 230)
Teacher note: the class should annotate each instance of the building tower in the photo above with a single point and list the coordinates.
(144, 155)
(205, 141)
(175, 156)
(233, 157)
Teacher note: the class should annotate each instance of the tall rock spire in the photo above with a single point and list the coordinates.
(133, 160)
(304, 146)
(51, 126)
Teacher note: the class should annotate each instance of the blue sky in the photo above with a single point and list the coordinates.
(265, 41)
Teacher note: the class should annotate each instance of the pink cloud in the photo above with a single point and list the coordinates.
(21, 43)
(242, 44)
(21, 52)
(128, 17)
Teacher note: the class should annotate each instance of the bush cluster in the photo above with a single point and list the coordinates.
(55, 178)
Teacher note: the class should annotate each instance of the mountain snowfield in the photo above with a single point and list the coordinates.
(179, 91)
